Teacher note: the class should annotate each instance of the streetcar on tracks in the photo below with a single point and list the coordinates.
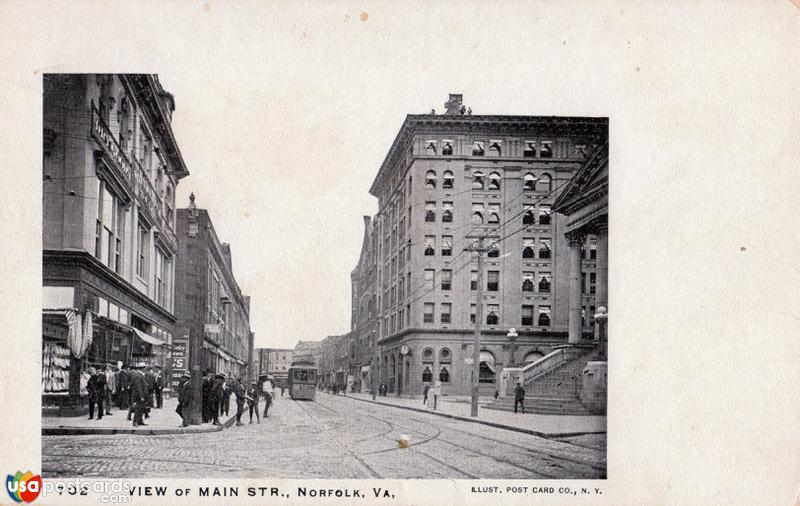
(302, 379)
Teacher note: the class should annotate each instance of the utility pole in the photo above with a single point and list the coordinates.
(196, 380)
(479, 248)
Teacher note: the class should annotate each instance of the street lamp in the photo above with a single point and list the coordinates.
(512, 336)
(601, 317)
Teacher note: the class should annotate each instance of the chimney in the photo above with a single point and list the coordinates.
(226, 252)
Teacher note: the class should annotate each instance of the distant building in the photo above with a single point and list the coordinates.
(209, 301)
(110, 168)
(274, 361)
(446, 180)
(306, 349)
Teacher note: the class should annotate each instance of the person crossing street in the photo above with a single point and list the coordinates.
(241, 395)
(253, 394)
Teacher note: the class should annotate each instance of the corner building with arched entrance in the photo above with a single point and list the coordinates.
(446, 179)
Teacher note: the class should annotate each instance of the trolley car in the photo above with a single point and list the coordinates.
(302, 379)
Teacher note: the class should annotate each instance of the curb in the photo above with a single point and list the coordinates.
(102, 431)
(63, 430)
(546, 435)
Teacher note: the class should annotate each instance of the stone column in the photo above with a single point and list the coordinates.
(395, 376)
(601, 286)
(575, 241)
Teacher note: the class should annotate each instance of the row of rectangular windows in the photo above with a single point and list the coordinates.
(492, 314)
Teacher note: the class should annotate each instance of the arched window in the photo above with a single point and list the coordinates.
(529, 182)
(430, 211)
(495, 149)
(447, 212)
(125, 126)
(528, 216)
(544, 184)
(493, 218)
(491, 314)
(527, 282)
(532, 356)
(544, 282)
(430, 147)
(427, 375)
(444, 375)
(478, 148)
(427, 356)
(494, 181)
(445, 357)
(430, 179)
(527, 248)
(544, 249)
(447, 147)
(544, 215)
(477, 180)
(494, 252)
(477, 216)
(447, 178)
(544, 316)
(487, 372)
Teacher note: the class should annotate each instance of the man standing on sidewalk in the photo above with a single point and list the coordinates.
(183, 398)
(216, 398)
(123, 382)
(138, 394)
(150, 380)
(519, 397)
(269, 391)
(111, 387)
(253, 394)
(425, 390)
(238, 390)
(159, 387)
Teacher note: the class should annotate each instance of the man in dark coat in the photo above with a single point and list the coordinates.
(139, 394)
(96, 387)
(241, 394)
(206, 386)
(123, 383)
(216, 397)
(159, 387)
(519, 397)
(183, 398)
(253, 392)
(150, 378)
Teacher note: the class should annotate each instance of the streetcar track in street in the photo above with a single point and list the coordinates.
(493, 457)
(369, 468)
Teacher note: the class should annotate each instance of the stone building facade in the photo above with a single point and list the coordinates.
(209, 301)
(446, 180)
(111, 165)
(274, 362)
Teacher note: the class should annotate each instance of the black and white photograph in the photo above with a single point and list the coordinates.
(453, 252)
(474, 345)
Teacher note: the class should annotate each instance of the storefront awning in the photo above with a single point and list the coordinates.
(226, 356)
(148, 338)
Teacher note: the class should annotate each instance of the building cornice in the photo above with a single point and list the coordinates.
(490, 125)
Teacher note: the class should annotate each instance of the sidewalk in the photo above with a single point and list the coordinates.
(549, 426)
(161, 421)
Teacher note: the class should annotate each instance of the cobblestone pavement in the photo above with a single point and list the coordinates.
(332, 437)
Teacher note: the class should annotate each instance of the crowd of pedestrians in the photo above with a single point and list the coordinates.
(139, 388)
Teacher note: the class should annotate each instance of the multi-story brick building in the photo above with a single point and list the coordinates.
(111, 165)
(208, 299)
(446, 180)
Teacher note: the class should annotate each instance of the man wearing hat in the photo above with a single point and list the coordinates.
(150, 378)
(183, 398)
(206, 386)
(159, 386)
(216, 397)
(139, 394)
(252, 400)
(123, 381)
(238, 390)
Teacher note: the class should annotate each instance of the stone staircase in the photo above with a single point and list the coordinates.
(554, 392)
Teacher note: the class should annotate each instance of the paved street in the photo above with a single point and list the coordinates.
(332, 437)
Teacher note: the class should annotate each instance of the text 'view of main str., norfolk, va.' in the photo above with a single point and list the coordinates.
(477, 344)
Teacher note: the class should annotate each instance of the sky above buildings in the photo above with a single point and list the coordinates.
(285, 122)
